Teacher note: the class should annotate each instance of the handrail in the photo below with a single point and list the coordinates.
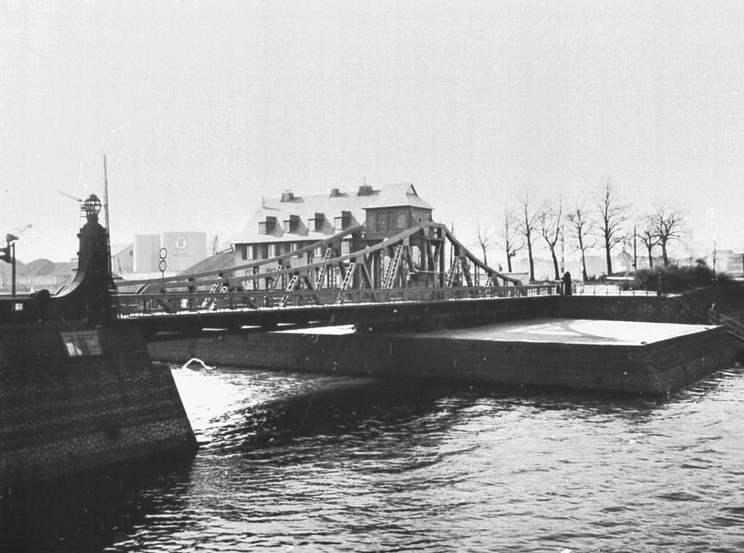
(139, 305)
(733, 326)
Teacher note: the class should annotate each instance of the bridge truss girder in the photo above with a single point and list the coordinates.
(425, 256)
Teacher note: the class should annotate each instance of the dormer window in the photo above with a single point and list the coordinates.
(292, 224)
(316, 223)
(343, 222)
(268, 226)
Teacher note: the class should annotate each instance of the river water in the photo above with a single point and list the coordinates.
(300, 463)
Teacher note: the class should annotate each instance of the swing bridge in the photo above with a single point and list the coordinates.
(421, 274)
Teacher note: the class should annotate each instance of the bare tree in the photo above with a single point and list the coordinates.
(508, 237)
(581, 228)
(668, 226)
(648, 238)
(528, 219)
(551, 223)
(486, 239)
(611, 218)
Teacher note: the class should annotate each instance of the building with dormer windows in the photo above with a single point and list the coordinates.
(291, 222)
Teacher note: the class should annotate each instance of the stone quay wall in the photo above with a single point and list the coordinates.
(82, 402)
(656, 368)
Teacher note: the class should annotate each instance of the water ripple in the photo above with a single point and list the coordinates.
(296, 463)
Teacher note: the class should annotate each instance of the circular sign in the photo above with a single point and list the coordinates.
(163, 253)
(162, 265)
(181, 242)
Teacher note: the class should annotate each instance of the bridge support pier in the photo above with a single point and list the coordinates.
(75, 399)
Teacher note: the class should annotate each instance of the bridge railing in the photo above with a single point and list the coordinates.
(608, 289)
(173, 303)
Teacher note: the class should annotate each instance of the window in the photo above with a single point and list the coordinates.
(381, 222)
(82, 344)
(268, 226)
(292, 224)
(340, 223)
(316, 223)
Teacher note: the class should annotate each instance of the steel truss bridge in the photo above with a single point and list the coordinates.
(418, 274)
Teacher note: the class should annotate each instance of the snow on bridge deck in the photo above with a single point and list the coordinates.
(567, 331)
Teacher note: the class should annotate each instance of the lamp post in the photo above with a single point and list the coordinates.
(92, 207)
(563, 251)
(7, 254)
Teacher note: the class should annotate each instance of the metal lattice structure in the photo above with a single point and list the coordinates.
(425, 256)
(409, 278)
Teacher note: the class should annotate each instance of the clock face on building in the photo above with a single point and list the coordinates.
(181, 242)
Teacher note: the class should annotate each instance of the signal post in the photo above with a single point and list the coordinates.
(7, 254)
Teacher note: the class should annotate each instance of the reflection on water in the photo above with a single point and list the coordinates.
(307, 463)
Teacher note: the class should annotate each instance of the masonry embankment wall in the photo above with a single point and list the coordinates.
(63, 413)
(655, 368)
(652, 368)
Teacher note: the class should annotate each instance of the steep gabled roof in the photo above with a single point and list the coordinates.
(398, 195)
(305, 207)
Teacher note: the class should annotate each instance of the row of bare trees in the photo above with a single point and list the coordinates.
(600, 220)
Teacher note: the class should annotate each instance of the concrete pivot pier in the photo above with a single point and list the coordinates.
(618, 356)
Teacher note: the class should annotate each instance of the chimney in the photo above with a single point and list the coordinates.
(365, 190)
(335, 193)
(287, 196)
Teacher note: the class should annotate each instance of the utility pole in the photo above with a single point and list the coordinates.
(106, 216)
(105, 197)
(635, 250)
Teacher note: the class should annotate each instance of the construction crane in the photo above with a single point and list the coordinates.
(78, 200)
(20, 230)
(74, 198)
(13, 235)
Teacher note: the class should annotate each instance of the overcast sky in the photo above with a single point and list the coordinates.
(202, 108)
